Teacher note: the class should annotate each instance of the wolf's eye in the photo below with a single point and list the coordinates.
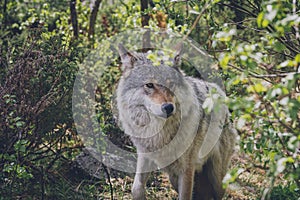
(149, 85)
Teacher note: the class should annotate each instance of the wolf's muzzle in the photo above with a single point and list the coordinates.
(167, 108)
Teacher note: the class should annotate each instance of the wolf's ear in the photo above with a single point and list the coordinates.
(178, 52)
(127, 58)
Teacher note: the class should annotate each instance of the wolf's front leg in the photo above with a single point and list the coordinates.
(185, 183)
(140, 179)
(138, 189)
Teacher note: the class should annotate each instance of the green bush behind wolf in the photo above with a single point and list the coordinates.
(161, 109)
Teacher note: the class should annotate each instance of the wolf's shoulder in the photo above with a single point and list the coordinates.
(202, 88)
(199, 86)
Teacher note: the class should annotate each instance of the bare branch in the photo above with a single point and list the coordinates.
(197, 19)
(263, 76)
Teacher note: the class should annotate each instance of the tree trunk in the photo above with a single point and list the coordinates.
(4, 14)
(93, 18)
(74, 20)
(145, 22)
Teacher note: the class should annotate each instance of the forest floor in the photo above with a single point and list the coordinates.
(249, 184)
(75, 182)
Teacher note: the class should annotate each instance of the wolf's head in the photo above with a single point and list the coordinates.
(151, 86)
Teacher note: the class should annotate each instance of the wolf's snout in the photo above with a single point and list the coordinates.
(167, 108)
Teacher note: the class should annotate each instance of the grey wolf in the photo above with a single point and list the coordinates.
(159, 106)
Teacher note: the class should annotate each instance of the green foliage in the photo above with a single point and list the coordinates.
(262, 80)
(282, 193)
(38, 67)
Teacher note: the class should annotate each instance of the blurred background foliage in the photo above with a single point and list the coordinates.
(255, 43)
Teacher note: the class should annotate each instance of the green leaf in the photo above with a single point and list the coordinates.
(224, 60)
(19, 124)
(297, 58)
(208, 104)
(257, 88)
(241, 123)
(265, 23)
(259, 19)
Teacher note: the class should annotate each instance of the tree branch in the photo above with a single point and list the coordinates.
(197, 19)
(262, 76)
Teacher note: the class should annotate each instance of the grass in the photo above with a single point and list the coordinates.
(249, 185)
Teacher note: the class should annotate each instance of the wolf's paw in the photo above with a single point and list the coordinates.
(140, 117)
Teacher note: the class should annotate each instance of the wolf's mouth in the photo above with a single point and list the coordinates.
(163, 115)
(169, 115)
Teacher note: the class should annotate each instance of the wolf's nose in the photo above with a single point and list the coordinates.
(167, 108)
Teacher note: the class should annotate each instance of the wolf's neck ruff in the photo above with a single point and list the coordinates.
(161, 133)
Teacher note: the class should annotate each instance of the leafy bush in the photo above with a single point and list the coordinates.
(36, 78)
(284, 193)
(261, 68)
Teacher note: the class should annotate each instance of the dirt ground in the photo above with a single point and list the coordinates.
(250, 183)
